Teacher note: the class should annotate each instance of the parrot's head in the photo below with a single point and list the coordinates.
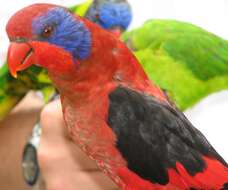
(113, 15)
(48, 36)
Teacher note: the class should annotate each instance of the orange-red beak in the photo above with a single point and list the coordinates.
(20, 57)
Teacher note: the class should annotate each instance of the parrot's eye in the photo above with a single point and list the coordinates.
(47, 32)
(97, 16)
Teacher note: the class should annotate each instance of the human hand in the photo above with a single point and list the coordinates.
(63, 165)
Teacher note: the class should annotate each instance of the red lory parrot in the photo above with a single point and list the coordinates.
(112, 111)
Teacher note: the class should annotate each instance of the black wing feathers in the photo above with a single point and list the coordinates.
(152, 136)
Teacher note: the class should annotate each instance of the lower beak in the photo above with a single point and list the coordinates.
(20, 56)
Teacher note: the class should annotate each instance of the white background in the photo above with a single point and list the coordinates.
(210, 115)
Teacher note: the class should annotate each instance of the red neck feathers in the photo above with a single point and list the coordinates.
(110, 64)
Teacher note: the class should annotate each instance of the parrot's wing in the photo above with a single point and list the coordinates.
(154, 137)
(204, 53)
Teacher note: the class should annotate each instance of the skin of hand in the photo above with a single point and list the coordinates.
(62, 163)
(15, 130)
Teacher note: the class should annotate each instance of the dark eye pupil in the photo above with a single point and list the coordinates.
(47, 32)
(97, 16)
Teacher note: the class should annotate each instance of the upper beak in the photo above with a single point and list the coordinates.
(20, 56)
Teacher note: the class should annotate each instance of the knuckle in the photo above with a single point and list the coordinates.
(50, 111)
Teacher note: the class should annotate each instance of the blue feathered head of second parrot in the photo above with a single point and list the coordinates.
(110, 14)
